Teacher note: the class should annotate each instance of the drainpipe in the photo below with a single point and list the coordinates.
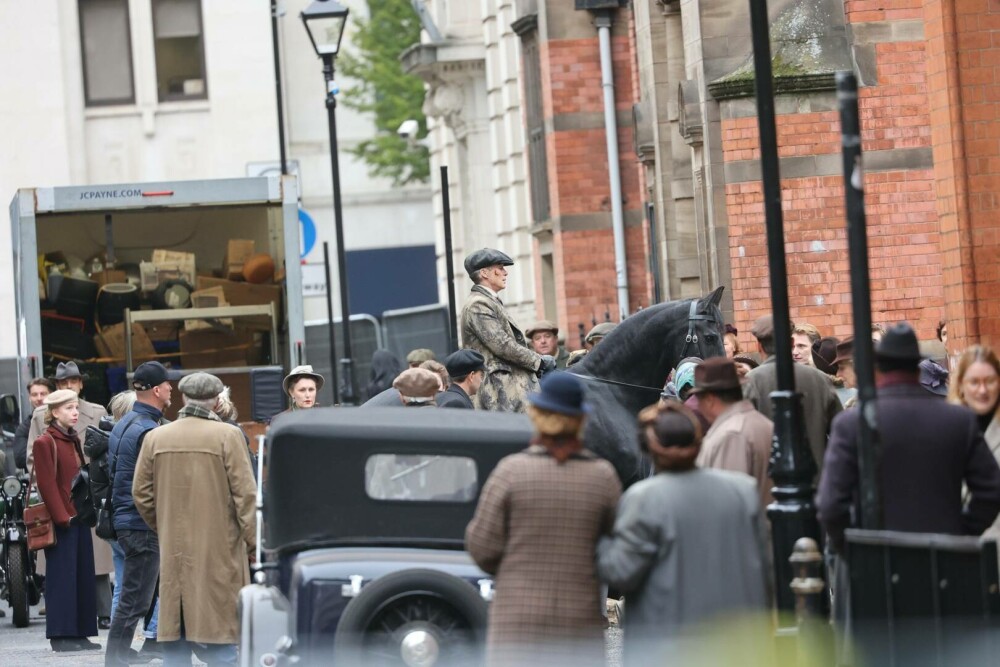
(602, 20)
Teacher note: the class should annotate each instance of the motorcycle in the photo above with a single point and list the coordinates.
(19, 585)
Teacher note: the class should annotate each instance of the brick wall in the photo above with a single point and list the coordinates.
(904, 230)
(579, 186)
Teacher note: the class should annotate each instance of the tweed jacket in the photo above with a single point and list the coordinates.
(928, 448)
(510, 364)
(820, 403)
(740, 440)
(536, 529)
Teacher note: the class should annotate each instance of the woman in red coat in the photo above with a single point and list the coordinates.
(70, 591)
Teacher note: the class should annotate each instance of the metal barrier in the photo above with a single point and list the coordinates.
(366, 337)
(407, 329)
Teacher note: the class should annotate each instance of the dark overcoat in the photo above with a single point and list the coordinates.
(928, 449)
(511, 366)
(536, 529)
(454, 397)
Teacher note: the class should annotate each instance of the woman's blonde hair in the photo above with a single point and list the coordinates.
(225, 409)
(121, 404)
(555, 424)
(971, 355)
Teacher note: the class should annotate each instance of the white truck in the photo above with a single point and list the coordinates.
(121, 225)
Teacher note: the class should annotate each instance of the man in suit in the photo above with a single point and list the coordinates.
(466, 370)
(819, 397)
(929, 448)
(512, 368)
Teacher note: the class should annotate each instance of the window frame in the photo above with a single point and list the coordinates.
(204, 65)
(87, 101)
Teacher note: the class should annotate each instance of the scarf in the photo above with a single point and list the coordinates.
(197, 411)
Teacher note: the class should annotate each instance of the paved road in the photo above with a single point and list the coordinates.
(28, 647)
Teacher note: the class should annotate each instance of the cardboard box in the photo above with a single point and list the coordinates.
(213, 297)
(110, 342)
(237, 252)
(167, 265)
(162, 331)
(216, 349)
(109, 276)
(248, 294)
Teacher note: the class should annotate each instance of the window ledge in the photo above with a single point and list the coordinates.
(123, 110)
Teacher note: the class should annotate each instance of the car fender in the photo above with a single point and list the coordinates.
(263, 624)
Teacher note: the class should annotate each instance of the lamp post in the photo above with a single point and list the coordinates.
(325, 21)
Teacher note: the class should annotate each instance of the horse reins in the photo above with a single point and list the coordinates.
(692, 337)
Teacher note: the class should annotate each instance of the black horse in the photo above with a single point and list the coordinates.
(627, 369)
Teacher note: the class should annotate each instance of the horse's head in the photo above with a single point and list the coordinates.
(646, 346)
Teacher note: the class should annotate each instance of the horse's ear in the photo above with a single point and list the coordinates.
(715, 298)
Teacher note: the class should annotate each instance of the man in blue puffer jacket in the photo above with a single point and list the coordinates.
(135, 537)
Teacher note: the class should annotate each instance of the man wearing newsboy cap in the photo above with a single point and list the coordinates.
(512, 368)
(466, 369)
(194, 486)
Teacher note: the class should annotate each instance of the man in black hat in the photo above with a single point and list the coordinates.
(929, 448)
(466, 369)
(512, 368)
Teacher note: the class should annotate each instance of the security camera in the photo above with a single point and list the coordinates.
(409, 130)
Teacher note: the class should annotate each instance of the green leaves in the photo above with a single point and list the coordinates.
(386, 91)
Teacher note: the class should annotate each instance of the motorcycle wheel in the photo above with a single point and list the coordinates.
(18, 573)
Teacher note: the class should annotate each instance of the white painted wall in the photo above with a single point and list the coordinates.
(49, 138)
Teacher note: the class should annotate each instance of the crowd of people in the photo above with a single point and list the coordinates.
(687, 545)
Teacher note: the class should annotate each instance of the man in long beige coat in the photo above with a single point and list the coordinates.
(740, 437)
(68, 376)
(194, 485)
(512, 368)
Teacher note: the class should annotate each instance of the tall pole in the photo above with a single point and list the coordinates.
(793, 514)
(330, 328)
(449, 261)
(277, 86)
(857, 241)
(347, 396)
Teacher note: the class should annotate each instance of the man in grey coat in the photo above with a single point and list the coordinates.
(512, 368)
(688, 551)
(819, 397)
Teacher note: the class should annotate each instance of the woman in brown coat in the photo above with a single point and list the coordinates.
(536, 528)
(70, 592)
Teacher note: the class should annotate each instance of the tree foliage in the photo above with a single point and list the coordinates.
(383, 89)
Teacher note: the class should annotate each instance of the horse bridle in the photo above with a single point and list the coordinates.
(692, 337)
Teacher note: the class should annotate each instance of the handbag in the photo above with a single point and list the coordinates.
(37, 520)
(82, 499)
(105, 528)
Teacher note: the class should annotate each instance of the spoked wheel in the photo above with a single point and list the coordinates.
(416, 618)
(18, 592)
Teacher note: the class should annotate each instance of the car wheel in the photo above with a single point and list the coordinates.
(417, 618)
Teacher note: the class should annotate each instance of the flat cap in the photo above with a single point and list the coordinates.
(480, 259)
(763, 327)
(57, 398)
(417, 385)
(600, 331)
(541, 325)
(420, 355)
(200, 385)
(464, 362)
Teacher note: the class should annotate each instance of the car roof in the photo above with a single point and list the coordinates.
(315, 488)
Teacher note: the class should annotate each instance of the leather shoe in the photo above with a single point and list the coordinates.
(137, 658)
(67, 644)
(87, 645)
(104, 623)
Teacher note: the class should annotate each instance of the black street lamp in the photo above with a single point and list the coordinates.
(325, 21)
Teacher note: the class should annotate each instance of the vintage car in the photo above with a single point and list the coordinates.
(365, 514)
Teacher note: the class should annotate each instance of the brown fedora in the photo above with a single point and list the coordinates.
(845, 351)
(715, 374)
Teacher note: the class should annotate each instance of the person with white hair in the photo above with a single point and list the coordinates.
(193, 485)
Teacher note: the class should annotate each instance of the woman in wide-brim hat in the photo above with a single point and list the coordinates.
(302, 385)
(541, 512)
(70, 587)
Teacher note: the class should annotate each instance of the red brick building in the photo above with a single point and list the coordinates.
(931, 137)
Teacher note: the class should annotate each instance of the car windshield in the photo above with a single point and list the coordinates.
(421, 478)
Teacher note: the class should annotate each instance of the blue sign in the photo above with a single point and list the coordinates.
(308, 232)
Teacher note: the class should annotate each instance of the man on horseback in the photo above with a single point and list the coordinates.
(512, 368)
